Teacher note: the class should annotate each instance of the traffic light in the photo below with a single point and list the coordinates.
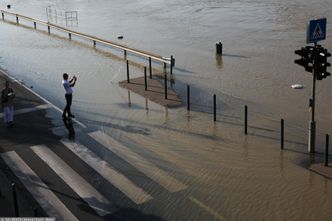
(322, 63)
(306, 59)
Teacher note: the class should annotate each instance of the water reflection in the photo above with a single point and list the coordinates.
(146, 105)
(219, 61)
(129, 100)
(69, 125)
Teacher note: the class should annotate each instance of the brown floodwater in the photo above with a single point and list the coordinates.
(229, 176)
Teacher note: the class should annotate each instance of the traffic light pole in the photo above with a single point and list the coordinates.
(312, 125)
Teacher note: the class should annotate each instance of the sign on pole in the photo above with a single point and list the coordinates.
(316, 30)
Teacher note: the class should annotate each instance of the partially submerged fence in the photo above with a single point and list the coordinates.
(94, 39)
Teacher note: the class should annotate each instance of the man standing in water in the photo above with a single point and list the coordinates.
(69, 94)
(7, 97)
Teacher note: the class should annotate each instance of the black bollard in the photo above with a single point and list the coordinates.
(15, 200)
(245, 119)
(49, 29)
(16, 19)
(69, 34)
(219, 48)
(145, 80)
(94, 43)
(282, 133)
(327, 150)
(214, 107)
(165, 86)
(188, 97)
(171, 66)
(150, 67)
(34, 25)
(125, 54)
(128, 71)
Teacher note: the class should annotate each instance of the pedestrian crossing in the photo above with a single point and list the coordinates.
(39, 190)
(156, 174)
(86, 191)
(89, 194)
(133, 192)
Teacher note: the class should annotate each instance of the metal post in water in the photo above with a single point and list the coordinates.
(245, 119)
(69, 34)
(15, 200)
(188, 97)
(165, 67)
(125, 54)
(282, 133)
(34, 25)
(150, 67)
(16, 19)
(165, 86)
(214, 107)
(219, 48)
(327, 150)
(49, 29)
(128, 71)
(171, 66)
(145, 80)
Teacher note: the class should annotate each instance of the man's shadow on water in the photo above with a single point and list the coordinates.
(68, 122)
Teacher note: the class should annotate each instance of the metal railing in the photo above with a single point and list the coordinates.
(95, 39)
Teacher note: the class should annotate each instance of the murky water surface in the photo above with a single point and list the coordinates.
(230, 176)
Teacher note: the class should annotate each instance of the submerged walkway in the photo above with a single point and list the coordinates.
(155, 91)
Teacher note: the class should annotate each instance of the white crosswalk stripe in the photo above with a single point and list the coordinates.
(38, 189)
(89, 194)
(156, 174)
(133, 192)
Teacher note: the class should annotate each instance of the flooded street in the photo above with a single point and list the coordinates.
(222, 174)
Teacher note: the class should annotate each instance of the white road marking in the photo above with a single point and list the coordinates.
(156, 174)
(208, 209)
(136, 194)
(29, 109)
(89, 194)
(38, 189)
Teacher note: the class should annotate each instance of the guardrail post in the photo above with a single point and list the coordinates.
(165, 86)
(125, 54)
(34, 25)
(69, 35)
(16, 19)
(327, 150)
(150, 67)
(188, 97)
(214, 107)
(145, 80)
(282, 133)
(94, 43)
(15, 200)
(245, 119)
(49, 29)
(128, 71)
